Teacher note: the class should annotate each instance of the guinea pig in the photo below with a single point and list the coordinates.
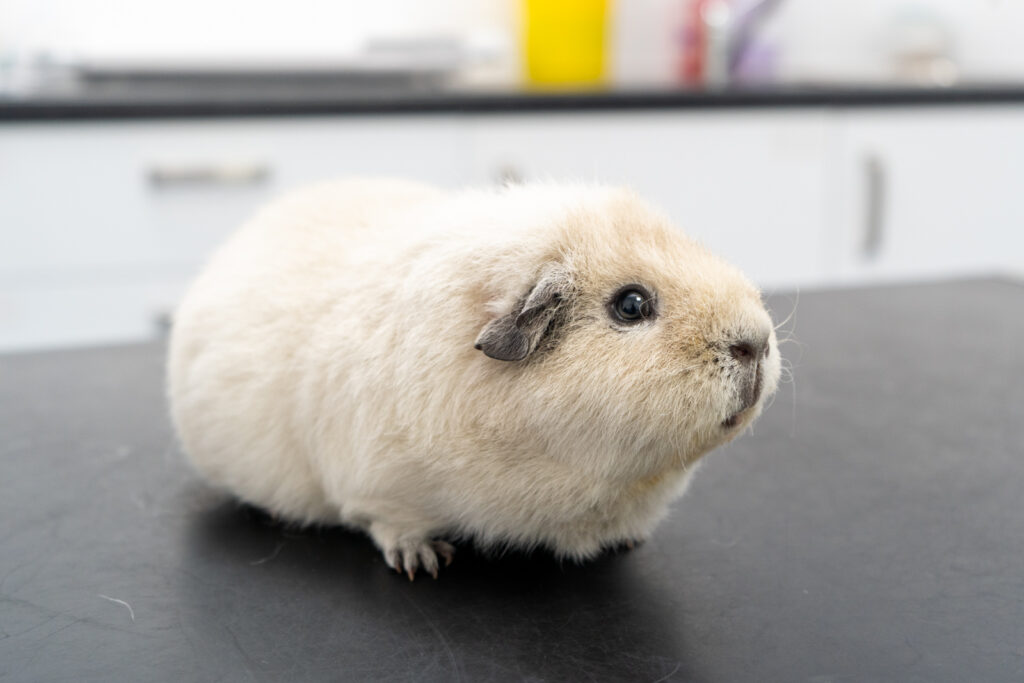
(536, 365)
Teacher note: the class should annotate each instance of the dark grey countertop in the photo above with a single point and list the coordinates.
(870, 529)
(310, 97)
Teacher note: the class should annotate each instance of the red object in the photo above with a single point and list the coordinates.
(694, 43)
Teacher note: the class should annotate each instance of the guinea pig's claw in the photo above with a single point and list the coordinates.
(393, 560)
(445, 550)
(410, 557)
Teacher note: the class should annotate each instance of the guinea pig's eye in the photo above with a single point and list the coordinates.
(631, 304)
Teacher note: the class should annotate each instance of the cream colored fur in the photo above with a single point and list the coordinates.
(323, 366)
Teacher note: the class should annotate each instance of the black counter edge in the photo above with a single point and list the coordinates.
(63, 109)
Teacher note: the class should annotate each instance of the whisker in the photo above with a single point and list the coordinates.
(792, 312)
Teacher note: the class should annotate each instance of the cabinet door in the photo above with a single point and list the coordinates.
(162, 194)
(929, 193)
(102, 224)
(750, 185)
(188, 219)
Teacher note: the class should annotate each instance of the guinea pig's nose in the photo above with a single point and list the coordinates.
(749, 351)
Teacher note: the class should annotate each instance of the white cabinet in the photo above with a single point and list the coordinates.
(102, 224)
(139, 194)
(750, 185)
(928, 193)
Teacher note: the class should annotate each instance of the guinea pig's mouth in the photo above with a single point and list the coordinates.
(750, 392)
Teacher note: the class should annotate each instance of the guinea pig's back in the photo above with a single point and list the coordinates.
(239, 346)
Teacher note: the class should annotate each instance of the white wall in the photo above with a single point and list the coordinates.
(853, 38)
(225, 29)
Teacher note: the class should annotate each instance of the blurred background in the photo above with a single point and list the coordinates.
(816, 143)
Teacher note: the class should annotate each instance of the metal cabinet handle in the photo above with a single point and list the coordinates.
(221, 175)
(874, 206)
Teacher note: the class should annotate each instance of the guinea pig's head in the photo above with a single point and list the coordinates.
(626, 333)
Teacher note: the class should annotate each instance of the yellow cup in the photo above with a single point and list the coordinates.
(565, 42)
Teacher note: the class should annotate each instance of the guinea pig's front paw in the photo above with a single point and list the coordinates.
(410, 555)
(407, 553)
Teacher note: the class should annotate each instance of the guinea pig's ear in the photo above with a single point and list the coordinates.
(516, 335)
